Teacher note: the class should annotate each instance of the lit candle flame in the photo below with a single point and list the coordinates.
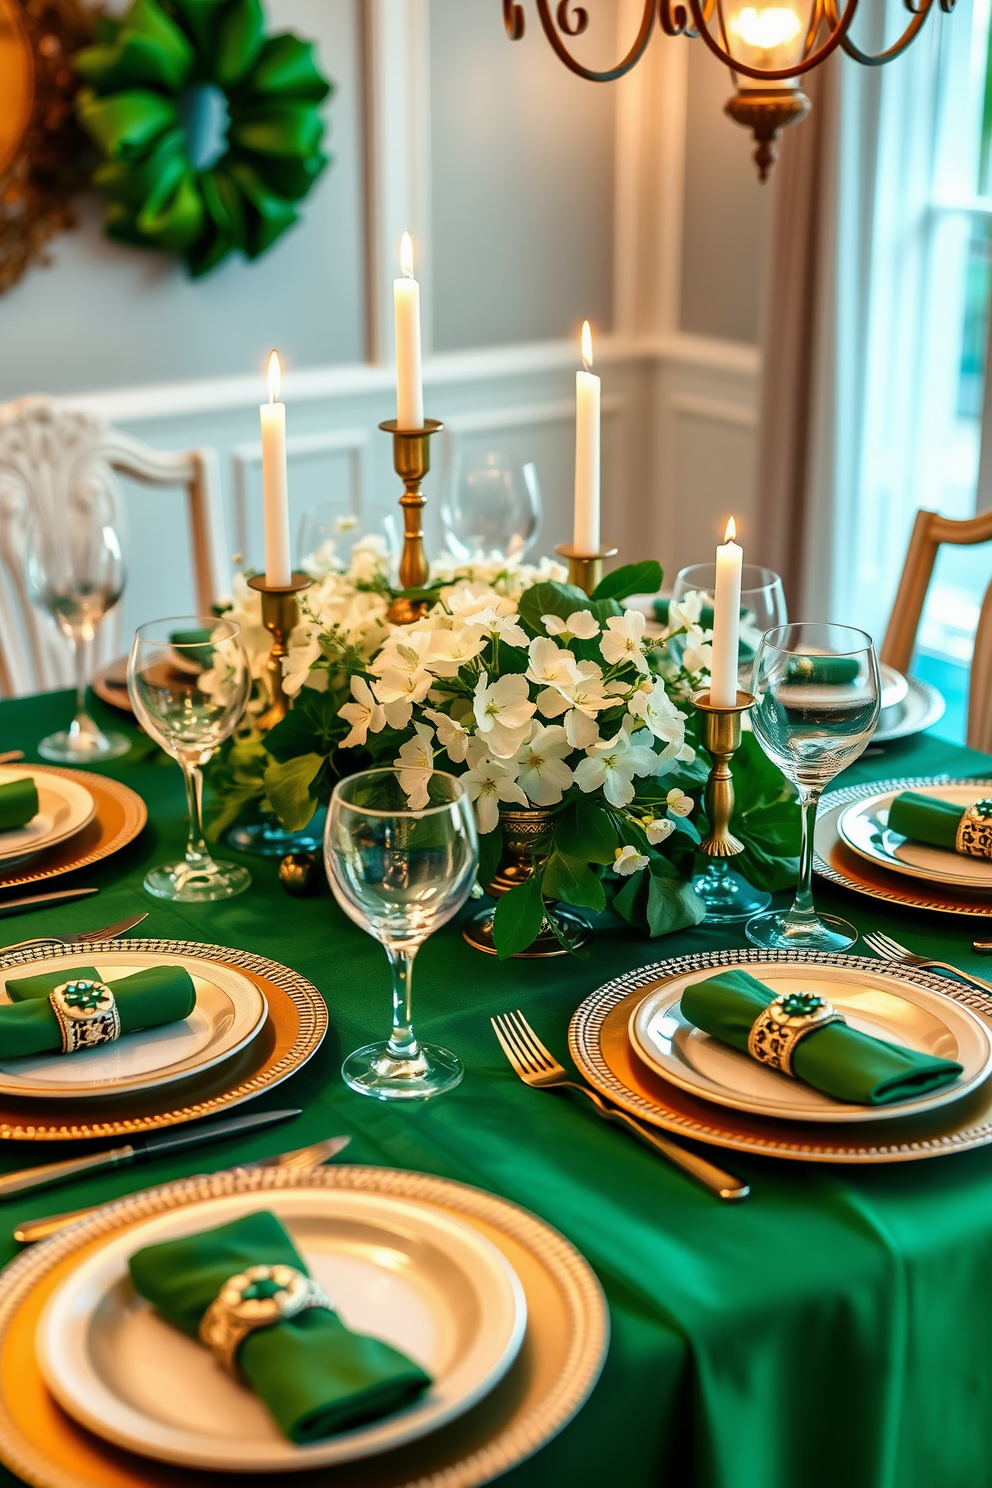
(731, 531)
(768, 28)
(275, 377)
(586, 345)
(406, 255)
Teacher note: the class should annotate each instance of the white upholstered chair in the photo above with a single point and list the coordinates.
(49, 451)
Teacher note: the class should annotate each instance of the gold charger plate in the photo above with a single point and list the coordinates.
(836, 862)
(120, 816)
(293, 1031)
(600, 1044)
(559, 1362)
(110, 685)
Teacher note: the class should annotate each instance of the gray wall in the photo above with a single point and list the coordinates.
(106, 316)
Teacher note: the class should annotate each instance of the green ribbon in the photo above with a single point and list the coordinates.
(138, 72)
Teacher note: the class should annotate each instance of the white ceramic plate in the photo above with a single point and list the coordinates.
(920, 709)
(230, 1009)
(412, 1274)
(64, 808)
(882, 1005)
(865, 829)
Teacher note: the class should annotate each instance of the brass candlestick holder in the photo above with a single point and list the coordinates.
(280, 613)
(727, 895)
(411, 461)
(585, 570)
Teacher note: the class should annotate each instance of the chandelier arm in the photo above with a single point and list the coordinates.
(674, 19)
(513, 19)
(782, 74)
(868, 59)
(581, 21)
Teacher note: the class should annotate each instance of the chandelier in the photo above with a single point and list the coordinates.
(767, 47)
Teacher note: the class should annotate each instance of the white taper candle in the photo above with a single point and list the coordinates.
(726, 621)
(588, 390)
(275, 490)
(406, 308)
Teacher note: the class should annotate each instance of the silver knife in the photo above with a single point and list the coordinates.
(303, 1158)
(154, 1146)
(40, 901)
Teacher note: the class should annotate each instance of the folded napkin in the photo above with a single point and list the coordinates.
(315, 1376)
(925, 819)
(833, 671)
(839, 1061)
(160, 994)
(18, 803)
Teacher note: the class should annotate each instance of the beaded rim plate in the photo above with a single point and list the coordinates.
(120, 816)
(559, 1363)
(64, 808)
(292, 1033)
(600, 1045)
(836, 862)
(864, 827)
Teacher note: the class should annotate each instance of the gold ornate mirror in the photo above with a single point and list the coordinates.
(43, 156)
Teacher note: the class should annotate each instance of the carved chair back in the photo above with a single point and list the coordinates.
(51, 455)
(929, 531)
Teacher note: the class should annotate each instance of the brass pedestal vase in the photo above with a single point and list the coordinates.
(523, 831)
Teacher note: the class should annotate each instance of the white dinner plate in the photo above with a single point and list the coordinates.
(864, 827)
(412, 1274)
(882, 1005)
(920, 709)
(64, 808)
(230, 1009)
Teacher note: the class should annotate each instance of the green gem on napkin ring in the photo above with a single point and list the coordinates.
(974, 833)
(87, 1014)
(258, 1297)
(789, 1017)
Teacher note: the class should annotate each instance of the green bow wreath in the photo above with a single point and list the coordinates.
(143, 74)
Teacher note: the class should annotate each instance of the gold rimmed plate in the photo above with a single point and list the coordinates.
(119, 817)
(291, 1033)
(601, 1047)
(562, 1354)
(65, 807)
(864, 827)
(835, 861)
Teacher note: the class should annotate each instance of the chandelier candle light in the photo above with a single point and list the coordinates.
(585, 556)
(411, 438)
(279, 586)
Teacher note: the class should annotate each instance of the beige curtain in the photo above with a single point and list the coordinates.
(798, 298)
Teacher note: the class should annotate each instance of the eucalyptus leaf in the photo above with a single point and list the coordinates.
(288, 789)
(632, 578)
(585, 830)
(573, 881)
(519, 917)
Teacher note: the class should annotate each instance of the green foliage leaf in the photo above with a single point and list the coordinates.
(519, 916)
(236, 779)
(312, 726)
(632, 578)
(585, 830)
(672, 902)
(573, 881)
(766, 819)
(631, 900)
(562, 600)
(490, 852)
(287, 786)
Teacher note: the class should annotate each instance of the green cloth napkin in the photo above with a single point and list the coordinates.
(18, 803)
(315, 1376)
(834, 671)
(839, 1061)
(160, 994)
(925, 819)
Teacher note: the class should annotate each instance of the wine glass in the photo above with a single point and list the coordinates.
(727, 894)
(492, 506)
(817, 691)
(188, 680)
(400, 874)
(330, 530)
(74, 571)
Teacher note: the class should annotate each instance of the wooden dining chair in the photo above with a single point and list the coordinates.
(929, 531)
(50, 451)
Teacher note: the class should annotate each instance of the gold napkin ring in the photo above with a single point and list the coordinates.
(244, 1304)
(786, 1020)
(87, 1014)
(974, 834)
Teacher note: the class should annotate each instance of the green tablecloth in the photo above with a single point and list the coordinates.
(836, 1329)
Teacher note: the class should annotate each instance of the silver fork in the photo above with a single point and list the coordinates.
(86, 938)
(538, 1067)
(890, 950)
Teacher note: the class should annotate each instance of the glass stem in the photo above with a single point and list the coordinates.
(402, 1041)
(803, 903)
(82, 648)
(197, 855)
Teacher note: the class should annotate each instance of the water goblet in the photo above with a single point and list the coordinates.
(330, 531)
(400, 871)
(188, 680)
(817, 690)
(492, 506)
(74, 571)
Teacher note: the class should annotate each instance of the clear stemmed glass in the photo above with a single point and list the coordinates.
(188, 680)
(817, 691)
(492, 506)
(727, 895)
(74, 570)
(400, 874)
(330, 530)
